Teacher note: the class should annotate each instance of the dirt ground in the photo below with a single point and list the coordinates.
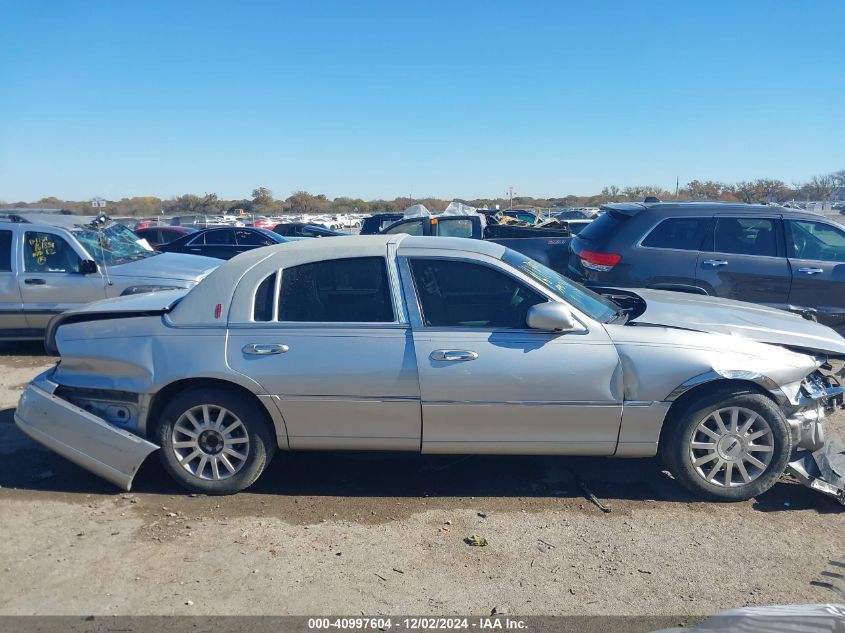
(329, 533)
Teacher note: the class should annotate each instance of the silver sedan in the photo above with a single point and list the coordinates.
(433, 345)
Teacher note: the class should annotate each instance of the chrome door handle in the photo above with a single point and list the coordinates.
(715, 262)
(265, 349)
(34, 282)
(453, 355)
(811, 271)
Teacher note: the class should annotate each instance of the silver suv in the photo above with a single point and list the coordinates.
(52, 263)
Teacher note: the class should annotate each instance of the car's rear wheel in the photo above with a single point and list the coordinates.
(727, 445)
(214, 442)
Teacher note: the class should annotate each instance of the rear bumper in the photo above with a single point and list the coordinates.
(88, 441)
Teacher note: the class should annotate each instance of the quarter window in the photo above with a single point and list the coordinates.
(745, 236)
(461, 294)
(352, 290)
(816, 240)
(48, 253)
(262, 309)
(684, 234)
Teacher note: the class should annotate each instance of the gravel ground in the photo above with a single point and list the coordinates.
(383, 534)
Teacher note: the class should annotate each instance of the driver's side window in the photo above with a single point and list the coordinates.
(816, 240)
(48, 253)
(455, 293)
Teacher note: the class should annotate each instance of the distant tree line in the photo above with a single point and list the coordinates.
(263, 202)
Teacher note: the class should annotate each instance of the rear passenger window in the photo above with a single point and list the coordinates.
(745, 236)
(252, 238)
(5, 251)
(222, 237)
(337, 291)
(262, 309)
(681, 233)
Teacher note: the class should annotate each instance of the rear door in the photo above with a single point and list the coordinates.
(329, 339)
(49, 279)
(746, 260)
(667, 256)
(218, 243)
(816, 252)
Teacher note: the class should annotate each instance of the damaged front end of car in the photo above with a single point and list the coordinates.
(819, 461)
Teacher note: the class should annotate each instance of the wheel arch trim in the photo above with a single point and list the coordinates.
(270, 404)
(744, 375)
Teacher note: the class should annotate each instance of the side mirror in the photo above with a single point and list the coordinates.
(88, 266)
(552, 316)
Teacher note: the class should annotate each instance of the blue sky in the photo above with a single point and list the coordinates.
(383, 99)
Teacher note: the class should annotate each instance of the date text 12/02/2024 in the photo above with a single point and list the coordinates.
(418, 623)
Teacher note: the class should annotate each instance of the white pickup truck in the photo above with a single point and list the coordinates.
(52, 263)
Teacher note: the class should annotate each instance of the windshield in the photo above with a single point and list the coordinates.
(593, 305)
(112, 245)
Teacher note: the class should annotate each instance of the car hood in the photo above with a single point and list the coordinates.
(746, 320)
(167, 266)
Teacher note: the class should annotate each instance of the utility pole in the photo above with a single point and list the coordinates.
(510, 197)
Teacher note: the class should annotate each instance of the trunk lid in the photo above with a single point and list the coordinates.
(147, 304)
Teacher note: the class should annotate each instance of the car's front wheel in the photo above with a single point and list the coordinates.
(729, 445)
(214, 441)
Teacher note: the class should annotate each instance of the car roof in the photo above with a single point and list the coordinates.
(52, 220)
(233, 282)
(704, 206)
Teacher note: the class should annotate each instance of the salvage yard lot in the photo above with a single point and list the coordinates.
(384, 534)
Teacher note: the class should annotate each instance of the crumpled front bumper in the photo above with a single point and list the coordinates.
(819, 463)
(113, 453)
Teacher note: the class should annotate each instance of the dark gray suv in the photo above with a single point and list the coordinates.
(761, 254)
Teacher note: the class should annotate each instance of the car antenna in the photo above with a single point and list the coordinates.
(98, 224)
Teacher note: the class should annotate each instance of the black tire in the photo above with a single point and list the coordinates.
(679, 455)
(256, 429)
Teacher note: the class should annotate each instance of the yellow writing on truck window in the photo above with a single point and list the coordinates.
(42, 248)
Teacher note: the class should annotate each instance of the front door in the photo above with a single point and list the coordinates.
(50, 281)
(331, 346)
(491, 385)
(816, 253)
(746, 261)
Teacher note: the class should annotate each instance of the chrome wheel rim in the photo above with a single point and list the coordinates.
(210, 442)
(731, 447)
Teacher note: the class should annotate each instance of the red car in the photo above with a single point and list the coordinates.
(263, 223)
(145, 224)
(157, 235)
